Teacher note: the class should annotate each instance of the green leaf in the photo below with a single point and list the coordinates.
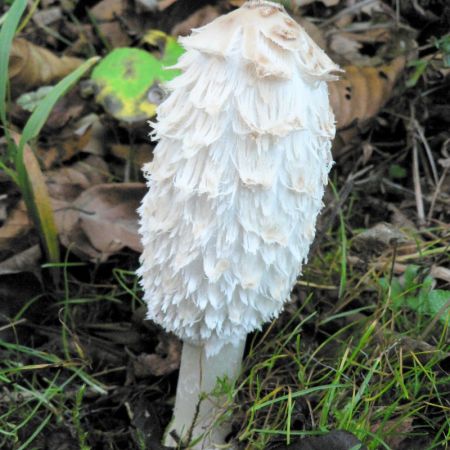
(39, 204)
(410, 277)
(397, 171)
(417, 295)
(438, 299)
(420, 67)
(7, 33)
(443, 44)
(128, 81)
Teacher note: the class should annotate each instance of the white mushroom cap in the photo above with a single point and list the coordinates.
(238, 175)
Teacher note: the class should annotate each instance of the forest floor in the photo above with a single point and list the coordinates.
(363, 346)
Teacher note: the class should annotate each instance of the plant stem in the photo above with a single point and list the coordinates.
(195, 412)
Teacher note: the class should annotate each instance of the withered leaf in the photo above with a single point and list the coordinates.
(104, 220)
(362, 91)
(32, 66)
(164, 361)
(17, 225)
(25, 261)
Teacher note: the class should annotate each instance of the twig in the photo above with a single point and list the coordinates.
(415, 168)
(435, 195)
(350, 9)
(14, 396)
(12, 324)
(417, 186)
(427, 150)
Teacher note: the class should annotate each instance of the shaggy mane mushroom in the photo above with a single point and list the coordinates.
(235, 187)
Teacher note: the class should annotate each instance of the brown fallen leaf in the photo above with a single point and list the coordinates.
(114, 33)
(64, 147)
(67, 183)
(348, 47)
(16, 226)
(64, 185)
(24, 261)
(142, 153)
(66, 110)
(98, 134)
(199, 18)
(164, 4)
(441, 273)
(47, 16)
(362, 91)
(102, 220)
(378, 238)
(31, 66)
(166, 359)
(108, 10)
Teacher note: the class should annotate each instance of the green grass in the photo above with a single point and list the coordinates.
(372, 374)
(360, 363)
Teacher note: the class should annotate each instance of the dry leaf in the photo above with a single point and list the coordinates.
(97, 134)
(87, 136)
(63, 149)
(47, 16)
(164, 4)
(103, 220)
(67, 109)
(349, 45)
(25, 261)
(142, 153)
(166, 359)
(199, 18)
(441, 273)
(114, 34)
(31, 66)
(362, 91)
(344, 46)
(380, 237)
(67, 183)
(108, 10)
(16, 226)
(64, 185)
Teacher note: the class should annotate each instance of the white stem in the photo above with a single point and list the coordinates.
(198, 376)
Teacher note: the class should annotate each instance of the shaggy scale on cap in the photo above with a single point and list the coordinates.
(238, 176)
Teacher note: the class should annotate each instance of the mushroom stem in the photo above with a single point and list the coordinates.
(195, 411)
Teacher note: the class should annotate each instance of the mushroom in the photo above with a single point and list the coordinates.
(235, 186)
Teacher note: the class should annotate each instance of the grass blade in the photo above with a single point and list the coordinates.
(29, 175)
(7, 33)
(43, 110)
(40, 203)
